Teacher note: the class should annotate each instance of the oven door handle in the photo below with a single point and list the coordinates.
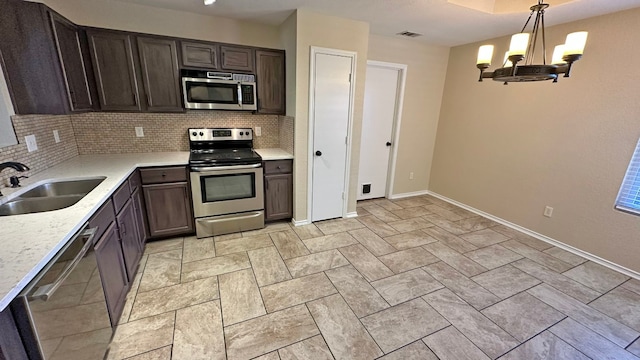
(220, 168)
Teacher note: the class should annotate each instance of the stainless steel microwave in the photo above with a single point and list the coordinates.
(211, 90)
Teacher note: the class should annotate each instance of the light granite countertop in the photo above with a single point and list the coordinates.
(28, 242)
(274, 154)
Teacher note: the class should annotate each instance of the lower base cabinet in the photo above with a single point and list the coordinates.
(167, 197)
(278, 190)
(129, 236)
(113, 273)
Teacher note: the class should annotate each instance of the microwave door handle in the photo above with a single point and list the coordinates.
(239, 94)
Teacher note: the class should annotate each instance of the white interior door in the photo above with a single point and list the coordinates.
(331, 94)
(380, 106)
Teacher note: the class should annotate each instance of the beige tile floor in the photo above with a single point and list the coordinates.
(415, 278)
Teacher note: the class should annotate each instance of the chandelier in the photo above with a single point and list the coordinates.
(523, 46)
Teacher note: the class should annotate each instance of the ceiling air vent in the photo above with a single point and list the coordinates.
(408, 34)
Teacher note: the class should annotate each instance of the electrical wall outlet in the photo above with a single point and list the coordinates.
(56, 136)
(548, 211)
(32, 144)
(258, 131)
(139, 131)
(411, 176)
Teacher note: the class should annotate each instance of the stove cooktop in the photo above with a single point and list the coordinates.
(219, 157)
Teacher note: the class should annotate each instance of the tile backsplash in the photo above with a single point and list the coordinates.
(99, 133)
(104, 133)
(49, 152)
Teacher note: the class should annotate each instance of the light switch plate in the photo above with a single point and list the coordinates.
(139, 131)
(258, 131)
(56, 136)
(32, 144)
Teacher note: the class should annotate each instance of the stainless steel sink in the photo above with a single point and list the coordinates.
(67, 187)
(49, 196)
(35, 205)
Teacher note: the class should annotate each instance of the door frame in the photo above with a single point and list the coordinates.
(397, 119)
(310, 156)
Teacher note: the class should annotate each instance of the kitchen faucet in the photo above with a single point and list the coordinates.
(20, 167)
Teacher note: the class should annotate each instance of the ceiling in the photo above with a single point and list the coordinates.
(441, 22)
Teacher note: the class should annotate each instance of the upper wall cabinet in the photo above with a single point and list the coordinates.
(114, 68)
(160, 74)
(270, 77)
(72, 54)
(45, 59)
(200, 55)
(236, 58)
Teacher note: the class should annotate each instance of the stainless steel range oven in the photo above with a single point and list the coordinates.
(226, 181)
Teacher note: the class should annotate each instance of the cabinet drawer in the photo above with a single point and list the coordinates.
(121, 196)
(278, 167)
(102, 219)
(163, 175)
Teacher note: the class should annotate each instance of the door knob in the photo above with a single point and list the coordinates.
(388, 143)
(318, 153)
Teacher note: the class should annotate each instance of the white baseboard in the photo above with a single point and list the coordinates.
(295, 222)
(406, 195)
(584, 254)
(351, 215)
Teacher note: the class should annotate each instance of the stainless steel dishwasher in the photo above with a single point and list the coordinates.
(65, 307)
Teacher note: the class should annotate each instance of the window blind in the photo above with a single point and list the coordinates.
(629, 195)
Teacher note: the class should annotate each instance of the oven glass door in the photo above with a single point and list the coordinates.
(217, 188)
(227, 190)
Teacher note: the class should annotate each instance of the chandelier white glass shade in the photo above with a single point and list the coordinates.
(523, 46)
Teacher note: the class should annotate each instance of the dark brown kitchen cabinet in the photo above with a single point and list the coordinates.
(200, 55)
(140, 211)
(168, 201)
(44, 59)
(73, 58)
(114, 70)
(129, 237)
(236, 58)
(160, 74)
(278, 189)
(270, 78)
(113, 273)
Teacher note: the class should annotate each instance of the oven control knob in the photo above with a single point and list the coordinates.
(194, 133)
(201, 133)
(241, 133)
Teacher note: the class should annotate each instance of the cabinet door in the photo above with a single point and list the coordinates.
(29, 59)
(113, 65)
(270, 76)
(200, 55)
(160, 74)
(112, 272)
(129, 238)
(168, 209)
(69, 45)
(141, 223)
(236, 58)
(278, 196)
